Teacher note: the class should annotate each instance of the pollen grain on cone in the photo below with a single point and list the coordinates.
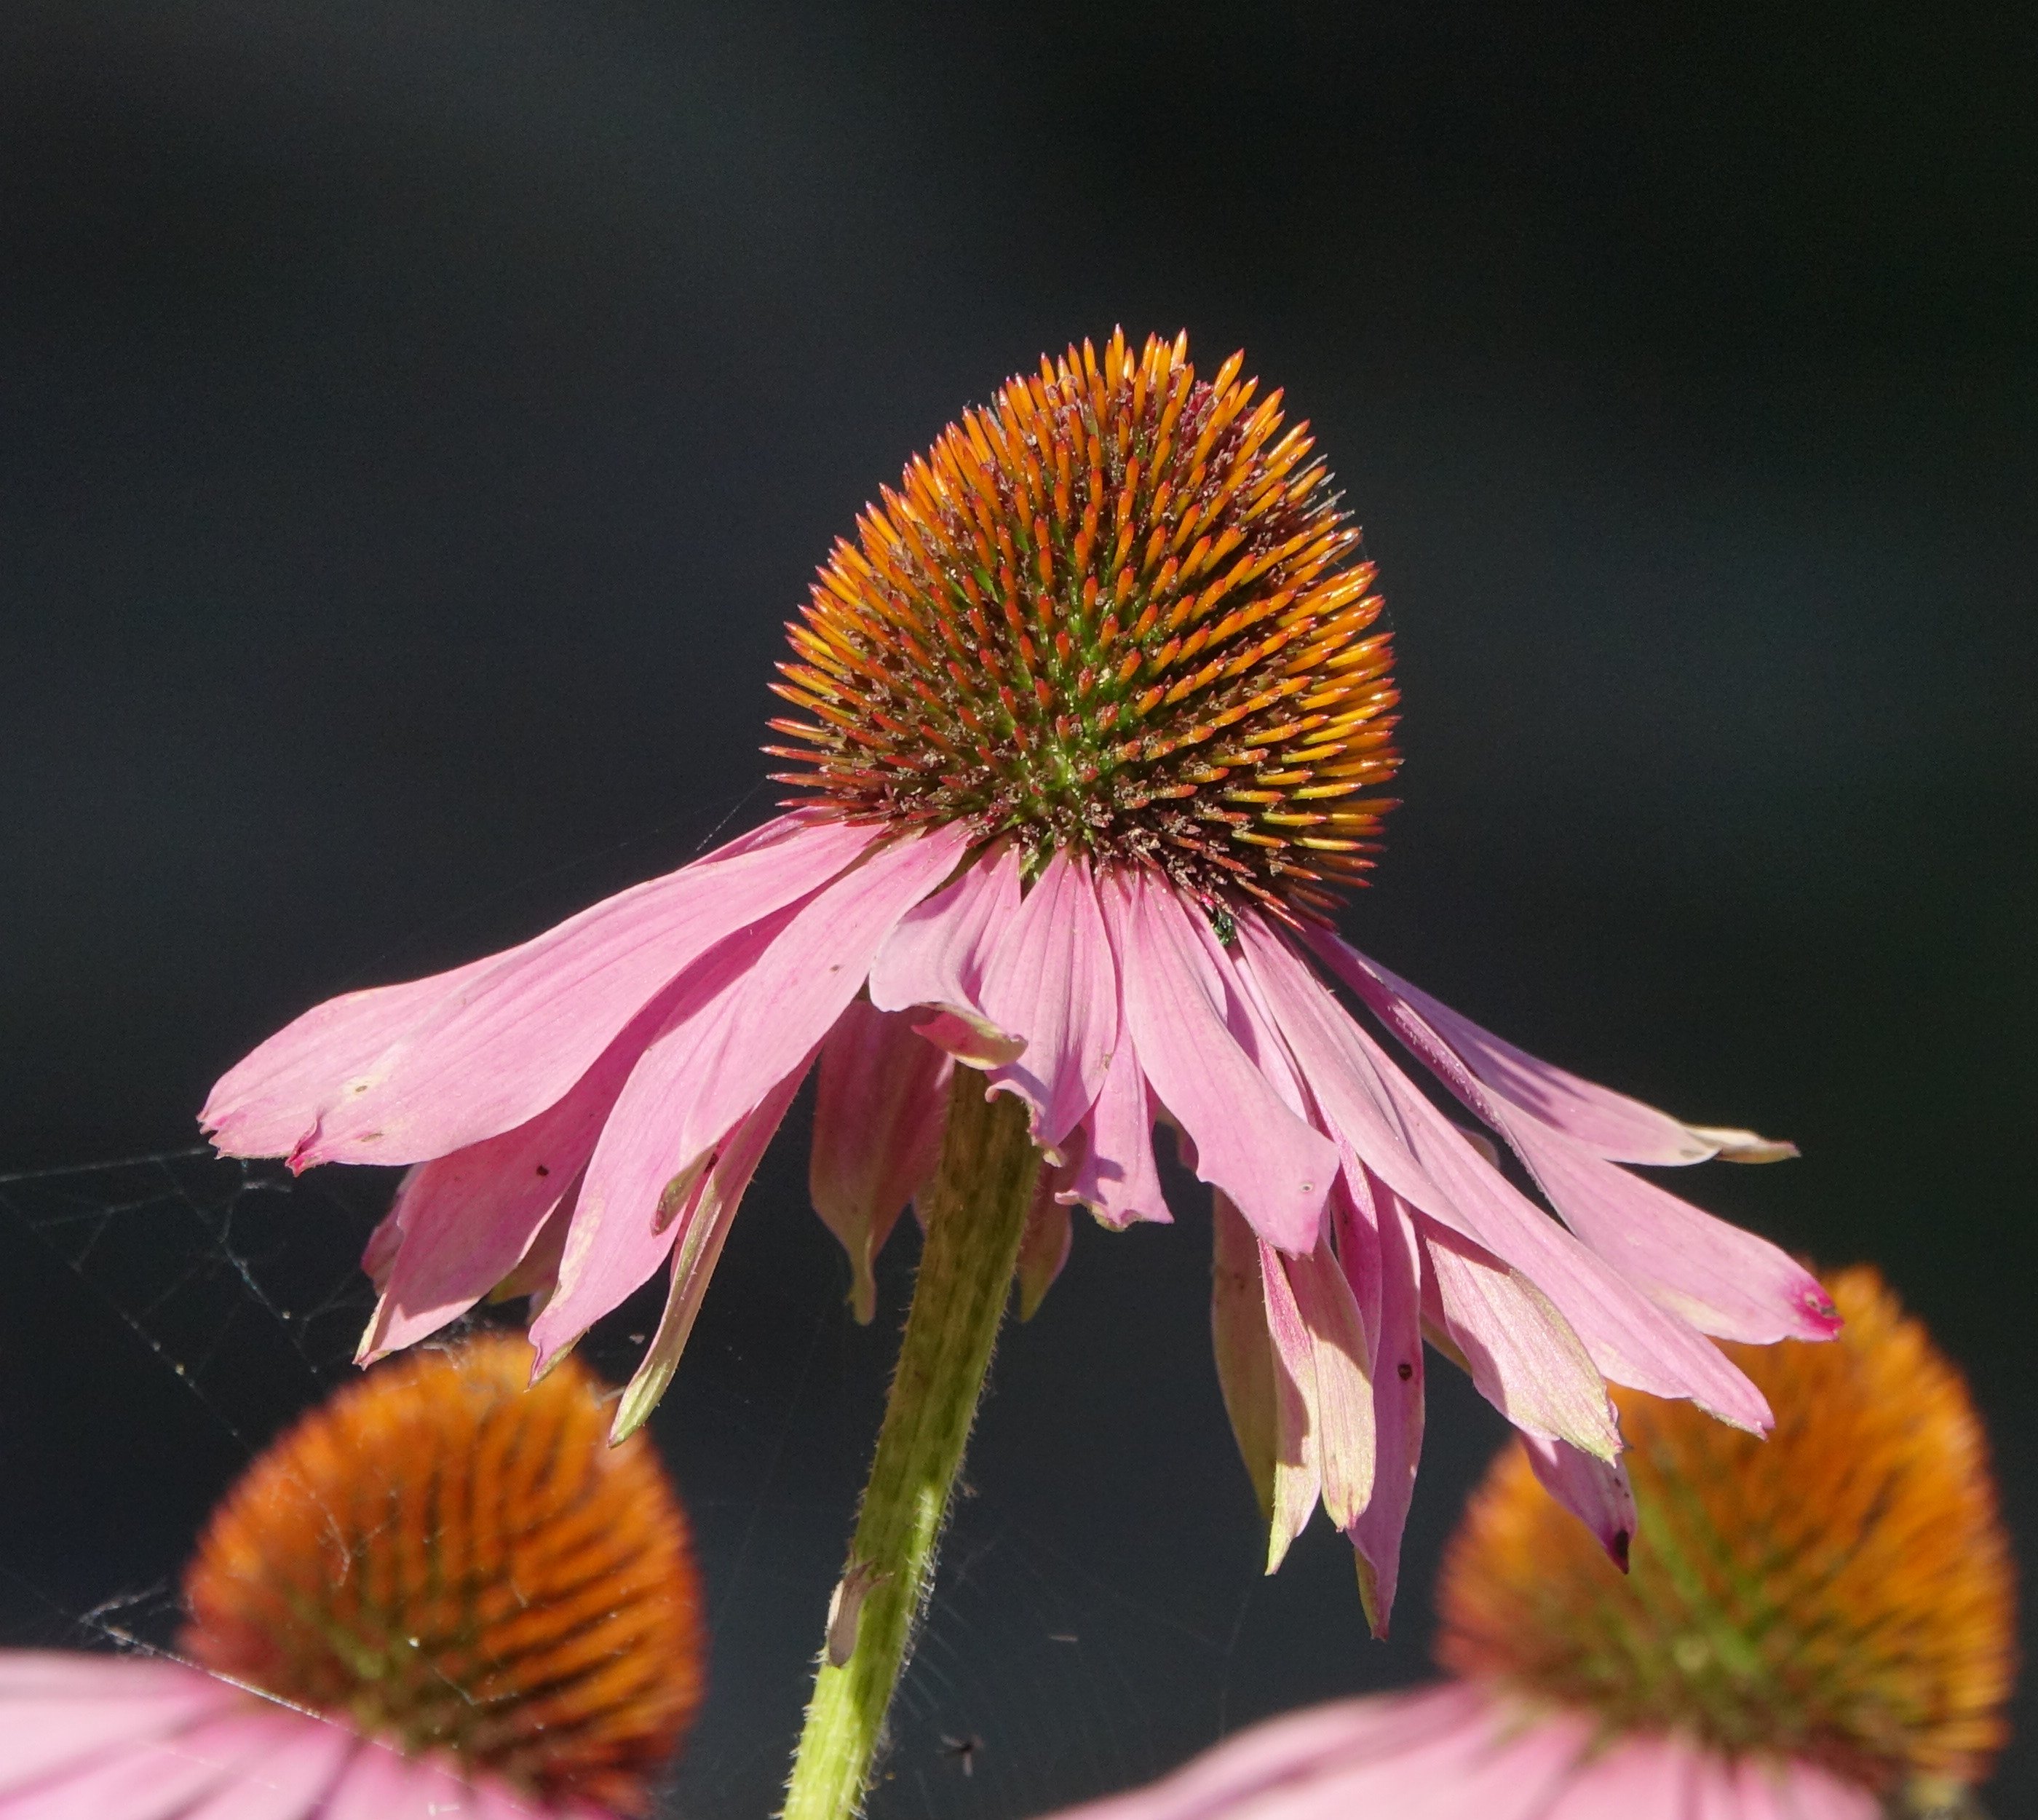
(454, 1562)
(1118, 609)
(1841, 1593)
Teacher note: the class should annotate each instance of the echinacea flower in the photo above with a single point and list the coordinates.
(1820, 1626)
(441, 1595)
(1093, 719)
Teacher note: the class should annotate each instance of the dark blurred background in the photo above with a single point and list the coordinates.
(420, 416)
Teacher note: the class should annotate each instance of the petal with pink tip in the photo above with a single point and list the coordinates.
(1052, 981)
(1342, 1408)
(1614, 1126)
(1398, 1406)
(704, 1229)
(1520, 1351)
(1723, 1281)
(421, 1073)
(1594, 1490)
(1179, 1009)
(878, 1104)
(936, 958)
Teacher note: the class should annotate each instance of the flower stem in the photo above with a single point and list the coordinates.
(976, 1215)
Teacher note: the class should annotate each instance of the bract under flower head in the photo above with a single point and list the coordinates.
(454, 1564)
(1117, 611)
(1841, 1595)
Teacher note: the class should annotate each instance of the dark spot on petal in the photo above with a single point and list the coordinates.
(543, 1170)
(1405, 1370)
(1617, 1547)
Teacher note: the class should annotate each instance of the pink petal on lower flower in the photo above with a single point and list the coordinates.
(1594, 1490)
(1721, 1279)
(1342, 1409)
(702, 1231)
(749, 1015)
(1521, 1352)
(878, 1104)
(1756, 1788)
(467, 1220)
(286, 1779)
(1297, 1478)
(1248, 1141)
(1052, 981)
(938, 955)
(63, 1708)
(378, 1784)
(1114, 1172)
(1611, 1124)
(158, 1778)
(418, 1070)
(1397, 1403)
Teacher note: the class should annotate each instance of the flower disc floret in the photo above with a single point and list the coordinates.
(1118, 611)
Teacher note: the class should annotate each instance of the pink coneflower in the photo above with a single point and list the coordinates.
(1093, 719)
(1820, 1627)
(440, 1595)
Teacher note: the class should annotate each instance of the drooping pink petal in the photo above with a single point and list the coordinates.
(748, 1015)
(1051, 979)
(702, 1231)
(420, 1071)
(937, 957)
(1248, 1141)
(1519, 1350)
(467, 1220)
(1342, 1408)
(1398, 1406)
(1611, 1124)
(1594, 1490)
(1630, 1339)
(1043, 1247)
(878, 1104)
(1244, 1349)
(1723, 1281)
(1114, 1174)
(1298, 1472)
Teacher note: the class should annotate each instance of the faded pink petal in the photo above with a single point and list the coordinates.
(879, 1098)
(1341, 1407)
(1723, 1281)
(1051, 980)
(1611, 1124)
(1043, 1248)
(1297, 1480)
(749, 1015)
(1462, 1751)
(417, 1071)
(1244, 1350)
(1520, 1352)
(935, 960)
(1595, 1491)
(1114, 1172)
(1397, 1402)
(1248, 1141)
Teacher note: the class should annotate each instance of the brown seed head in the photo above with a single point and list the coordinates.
(447, 1559)
(1843, 1593)
(1117, 609)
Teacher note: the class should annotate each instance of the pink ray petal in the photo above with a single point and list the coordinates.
(287, 1778)
(377, 1784)
(878, 1106)
(1634, 1778)
(750, 1014)
(1244, 1350)
(937, 957)
(1611, 1124)
(156, 1778)
(1342, 1408)
(703, 1229)
(1631, 1339)
(1398, 1406)
(467, 1220)
(1051, 979)
(1043, 1249)
(1248, 1141)
(1594, 1490)
(59, 1710)
(1723, 1280)
(1520, 1351)
(1115, 1174)
(418, 1070)
(1297, 1481)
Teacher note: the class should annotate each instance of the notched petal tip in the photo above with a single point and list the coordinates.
(971, 1039)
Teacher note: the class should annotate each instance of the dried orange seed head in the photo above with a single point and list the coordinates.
(1842, 1592)
(451, 1561)
(1118, 610)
